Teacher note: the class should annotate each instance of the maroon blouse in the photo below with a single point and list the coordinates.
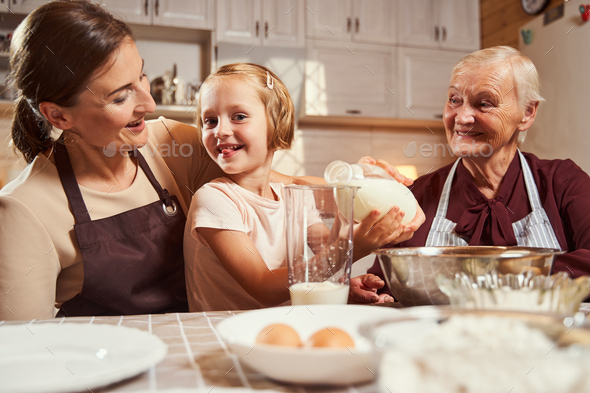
(564, 189)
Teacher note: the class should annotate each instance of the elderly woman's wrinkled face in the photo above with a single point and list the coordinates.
(482, 115)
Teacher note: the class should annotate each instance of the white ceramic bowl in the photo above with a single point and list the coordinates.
(307, 365)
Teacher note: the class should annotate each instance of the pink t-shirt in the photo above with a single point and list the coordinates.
(222, 204)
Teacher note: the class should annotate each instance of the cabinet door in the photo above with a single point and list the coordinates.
(131, 11)
(283, 22)
(417, 22)
(374, 21)
(423, 77)
(26, 6)
(239, 21)
(349, 80)
(330, 19)
(194, 14)
(459, 24)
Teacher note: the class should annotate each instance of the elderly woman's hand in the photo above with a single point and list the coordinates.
(406, 181)
(411, 227)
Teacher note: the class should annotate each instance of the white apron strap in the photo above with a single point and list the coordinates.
(535, 229)
(441, 230)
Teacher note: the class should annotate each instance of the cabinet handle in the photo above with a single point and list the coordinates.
(348, 24)
(157, 7)
(357, 24)
(266, 29)
(436, 33)
(444, 31)
(146, 7)
(438, 116)
(353, 112)
(13, 1)
(257, 29)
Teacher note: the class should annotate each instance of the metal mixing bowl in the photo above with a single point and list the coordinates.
(411, 272)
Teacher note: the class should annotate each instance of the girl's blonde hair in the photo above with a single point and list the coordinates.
(522, 69)
(280, 113)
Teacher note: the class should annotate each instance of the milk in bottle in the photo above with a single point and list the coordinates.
(378, 190)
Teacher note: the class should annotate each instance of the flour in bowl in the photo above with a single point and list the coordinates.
(469, 354)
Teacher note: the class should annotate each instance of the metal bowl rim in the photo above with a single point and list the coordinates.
(416, 252)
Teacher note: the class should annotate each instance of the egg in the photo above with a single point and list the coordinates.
(279, 334)
(330, 337)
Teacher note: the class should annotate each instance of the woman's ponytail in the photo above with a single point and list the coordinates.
(31, 133)
(54, 53)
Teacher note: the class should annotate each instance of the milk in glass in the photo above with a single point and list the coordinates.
(319, 293)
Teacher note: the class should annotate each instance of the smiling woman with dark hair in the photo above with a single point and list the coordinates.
(91, 226)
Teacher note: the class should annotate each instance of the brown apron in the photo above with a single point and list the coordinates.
(133, 262)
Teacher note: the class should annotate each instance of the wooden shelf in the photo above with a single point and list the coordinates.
(375, 123)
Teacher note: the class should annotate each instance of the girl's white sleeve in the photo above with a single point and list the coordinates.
(212, 208)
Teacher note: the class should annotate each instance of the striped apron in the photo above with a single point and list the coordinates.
(532, 231)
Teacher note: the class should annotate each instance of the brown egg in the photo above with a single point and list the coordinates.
(330, 337)
(279, 334)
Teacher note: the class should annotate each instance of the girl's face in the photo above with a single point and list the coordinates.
(234, 126)
(111, 110)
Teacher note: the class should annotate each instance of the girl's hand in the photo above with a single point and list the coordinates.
(371, 234)
(363, 289)
(406, 181)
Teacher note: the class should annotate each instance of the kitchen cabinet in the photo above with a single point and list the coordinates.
(439, 24)
(193, 14)
(423, 81)
(370, 21)
(261, 22)
(349, 80)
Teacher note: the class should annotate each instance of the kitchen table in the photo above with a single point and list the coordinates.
(197, 356)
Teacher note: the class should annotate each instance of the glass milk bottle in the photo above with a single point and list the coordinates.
(378, 190)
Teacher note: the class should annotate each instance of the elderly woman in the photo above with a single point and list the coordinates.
(94, 225)
(494, 194)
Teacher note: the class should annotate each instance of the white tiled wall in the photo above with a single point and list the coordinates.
(314, 149)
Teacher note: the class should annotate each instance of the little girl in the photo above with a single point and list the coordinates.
(234, 242)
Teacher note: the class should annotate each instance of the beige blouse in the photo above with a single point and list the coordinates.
(40, 263)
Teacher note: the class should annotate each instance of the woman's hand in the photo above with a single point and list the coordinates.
(363, 289)
(406, 181)
(412, 226)
(372, 233)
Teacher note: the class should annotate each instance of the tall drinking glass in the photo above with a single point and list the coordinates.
(319, 242)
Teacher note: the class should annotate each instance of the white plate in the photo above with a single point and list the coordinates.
(307, 365)
(70, 357)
